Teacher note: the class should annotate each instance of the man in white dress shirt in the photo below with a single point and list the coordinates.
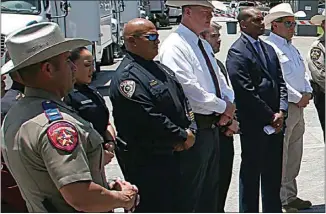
(192, 60)
(282, 22)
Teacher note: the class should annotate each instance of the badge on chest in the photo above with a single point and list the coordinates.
(86, 102)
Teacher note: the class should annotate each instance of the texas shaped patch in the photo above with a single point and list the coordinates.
(63, 136)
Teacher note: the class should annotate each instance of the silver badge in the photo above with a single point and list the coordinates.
(127, 88)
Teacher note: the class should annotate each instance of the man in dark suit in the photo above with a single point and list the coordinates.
(261, 99)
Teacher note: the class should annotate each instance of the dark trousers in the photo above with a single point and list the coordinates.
(181, 182)
(208, 156)
(225, 165)
(261, 164)
(319, 100)
(158, 178)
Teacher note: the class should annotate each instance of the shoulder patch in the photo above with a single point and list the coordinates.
(315, 53)
(51, 111)
(127, 88)
(63, 136)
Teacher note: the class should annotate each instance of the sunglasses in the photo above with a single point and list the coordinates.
(151, 37)
(289, 24)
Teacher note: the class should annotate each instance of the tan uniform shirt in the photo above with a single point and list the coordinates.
(316, 62)
(44, 156)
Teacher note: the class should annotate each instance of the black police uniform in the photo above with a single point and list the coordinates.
(90, 105)
(11, 97)
(11, 200)
(152, 114)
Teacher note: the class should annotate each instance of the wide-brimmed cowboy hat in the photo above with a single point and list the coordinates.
(279, 11)
(318, 19)
(205, 3)
(37, 43)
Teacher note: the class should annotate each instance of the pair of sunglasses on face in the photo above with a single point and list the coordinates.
(151, 37)
(289, 24)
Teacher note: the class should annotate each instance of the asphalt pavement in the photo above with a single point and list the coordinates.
(311, 180)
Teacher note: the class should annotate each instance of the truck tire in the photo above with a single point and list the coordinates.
(107, 56)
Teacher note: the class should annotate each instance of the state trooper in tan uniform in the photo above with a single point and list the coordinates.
(55, 156)
(316, 64)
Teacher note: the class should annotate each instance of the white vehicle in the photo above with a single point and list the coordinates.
(175, 14)
(242, 5)
(84, 19)
(321, 8)
(157, 12)
(123, 12)
(129, 10)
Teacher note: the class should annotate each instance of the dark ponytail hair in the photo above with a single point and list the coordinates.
(75, 54)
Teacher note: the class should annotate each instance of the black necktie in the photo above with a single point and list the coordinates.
(210, 68)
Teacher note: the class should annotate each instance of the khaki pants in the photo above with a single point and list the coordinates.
(292, 153)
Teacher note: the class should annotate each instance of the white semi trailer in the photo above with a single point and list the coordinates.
(91, 20)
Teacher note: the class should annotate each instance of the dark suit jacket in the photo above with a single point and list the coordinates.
(260, 91)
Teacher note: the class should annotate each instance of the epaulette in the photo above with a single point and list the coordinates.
(166, 69)
(51, 111)
(128, 67)
(92, 87)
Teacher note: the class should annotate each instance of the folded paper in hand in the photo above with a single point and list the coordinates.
(269, 130)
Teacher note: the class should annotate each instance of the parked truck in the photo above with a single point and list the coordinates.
(91, 20)
(157, 12)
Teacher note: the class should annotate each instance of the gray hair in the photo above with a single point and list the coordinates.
(213, 24)
(216, 25)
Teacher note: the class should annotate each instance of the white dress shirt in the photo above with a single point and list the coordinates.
(181, 53)
(251, 40)
(293, 67)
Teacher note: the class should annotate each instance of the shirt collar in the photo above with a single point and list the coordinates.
(138, 58)
(17, 86)
(36, 92)
(278, 39)
(252, 40)
(80, 86)
(188, 34)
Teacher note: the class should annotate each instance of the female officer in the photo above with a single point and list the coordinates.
(86, 100)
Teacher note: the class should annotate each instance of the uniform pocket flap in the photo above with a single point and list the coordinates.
(283, 58)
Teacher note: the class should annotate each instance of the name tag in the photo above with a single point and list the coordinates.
(86, 101)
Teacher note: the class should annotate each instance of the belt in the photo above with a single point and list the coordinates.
(206, 121)
(122, 146)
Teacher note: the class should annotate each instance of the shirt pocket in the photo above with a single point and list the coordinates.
(86, 104)
(287, 66)
(283, 59)
(161, 94)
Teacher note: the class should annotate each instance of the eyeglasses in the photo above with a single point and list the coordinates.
(288, 24)
(151, 37)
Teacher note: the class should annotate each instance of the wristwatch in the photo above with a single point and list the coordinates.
(285, 113)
